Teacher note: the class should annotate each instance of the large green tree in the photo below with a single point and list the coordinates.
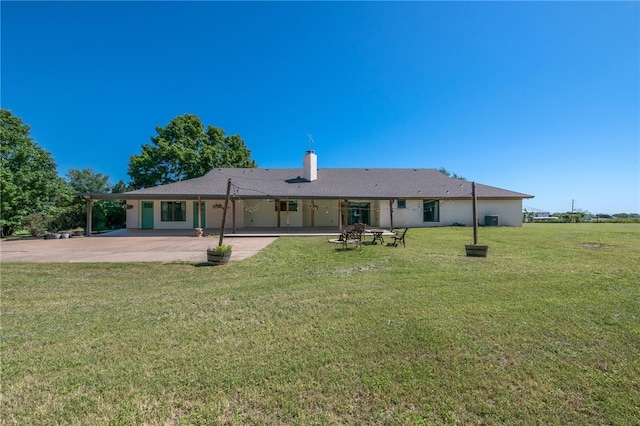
(86, 180)
(29, 182)
(107, 214)
(185, 149)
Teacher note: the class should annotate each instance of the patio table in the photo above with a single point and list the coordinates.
(377, 235)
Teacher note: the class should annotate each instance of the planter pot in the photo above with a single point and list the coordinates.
(78, 233)
(64, 235)
(218, 258)
(51, 236)
(476, 251)
(199, 232)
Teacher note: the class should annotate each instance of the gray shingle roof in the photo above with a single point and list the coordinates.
(331, 183)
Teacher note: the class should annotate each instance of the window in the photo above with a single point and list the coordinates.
(293, 206)
(402, 204)
(431, 211)
(353, 213)
(173, 211)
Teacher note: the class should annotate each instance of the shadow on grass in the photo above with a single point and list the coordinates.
(208, 264)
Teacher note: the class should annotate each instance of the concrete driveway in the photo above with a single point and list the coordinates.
(126, 247)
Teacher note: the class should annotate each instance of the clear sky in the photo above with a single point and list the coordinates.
(536, 97)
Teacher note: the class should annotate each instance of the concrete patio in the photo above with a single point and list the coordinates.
(128, 246)
(148, 245)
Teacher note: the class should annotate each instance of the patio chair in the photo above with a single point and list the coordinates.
(399, 237)
(353, 237)
(348, 237)
(341, 239)
(359, 227)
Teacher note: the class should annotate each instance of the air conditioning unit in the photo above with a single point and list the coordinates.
(491, 221)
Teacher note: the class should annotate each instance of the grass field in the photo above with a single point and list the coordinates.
(545, 330)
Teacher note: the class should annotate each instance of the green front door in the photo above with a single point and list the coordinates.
(147, 215)
(203, 215)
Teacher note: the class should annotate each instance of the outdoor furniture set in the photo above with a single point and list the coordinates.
(354, 236)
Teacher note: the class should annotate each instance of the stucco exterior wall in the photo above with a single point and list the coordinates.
(213, 215)
(133, 214)
(262, 213)
(325, 213)
(409, 217)
(259, 213)
(509, 212)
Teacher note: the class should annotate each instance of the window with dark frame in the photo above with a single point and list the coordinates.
(431, 211)
(402, 204)
(293, 206)
(173, 211)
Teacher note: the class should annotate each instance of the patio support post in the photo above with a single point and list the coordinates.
(313, 214)
(287, 212)
(391, 214)
(89, 214)
(278, 210)
(233, 212)
(347, 213)
(199, 212)
(340, 214)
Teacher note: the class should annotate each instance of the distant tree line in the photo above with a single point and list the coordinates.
(34, 198)
(583, 216)
(578, 217)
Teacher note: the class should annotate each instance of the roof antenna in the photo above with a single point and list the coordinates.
(310, 141)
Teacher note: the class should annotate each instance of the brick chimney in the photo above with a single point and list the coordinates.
(310, 166)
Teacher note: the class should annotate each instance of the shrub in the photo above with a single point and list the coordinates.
(36, 224)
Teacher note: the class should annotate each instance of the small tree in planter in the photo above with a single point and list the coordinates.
(222, 253)
(219, 255)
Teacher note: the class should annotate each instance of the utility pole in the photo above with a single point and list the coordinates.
(573, 202)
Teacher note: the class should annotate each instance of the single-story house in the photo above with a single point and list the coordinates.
(535, 214)
(312, 197)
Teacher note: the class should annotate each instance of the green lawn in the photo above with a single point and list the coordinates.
(545, 330)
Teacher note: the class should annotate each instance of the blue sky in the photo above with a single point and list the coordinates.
(537, 97)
